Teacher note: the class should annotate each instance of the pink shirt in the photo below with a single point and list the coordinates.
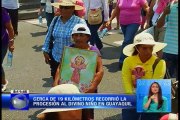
(130, 11)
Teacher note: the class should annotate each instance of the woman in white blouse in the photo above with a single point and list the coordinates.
(95, 4)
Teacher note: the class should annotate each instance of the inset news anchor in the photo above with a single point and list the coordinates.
(155, 102)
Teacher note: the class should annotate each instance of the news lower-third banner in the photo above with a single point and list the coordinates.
(24, 101)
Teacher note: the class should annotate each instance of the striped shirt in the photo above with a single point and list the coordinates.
(62, 35)
(171, 35)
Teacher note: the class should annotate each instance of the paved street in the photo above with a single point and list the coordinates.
(29, 71)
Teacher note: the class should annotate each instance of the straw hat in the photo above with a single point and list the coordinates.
(67, 3)
(61, 89)
(145, 39)
(85, 31)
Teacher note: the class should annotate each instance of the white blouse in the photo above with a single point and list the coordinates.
(95, 4)
(48, 6)
(10, 4)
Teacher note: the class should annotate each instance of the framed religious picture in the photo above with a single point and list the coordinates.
(78, 67)
(153, 95)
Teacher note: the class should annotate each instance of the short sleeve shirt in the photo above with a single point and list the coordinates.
(171, 34)
(130, 11)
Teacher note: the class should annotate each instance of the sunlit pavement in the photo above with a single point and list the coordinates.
(29, 71)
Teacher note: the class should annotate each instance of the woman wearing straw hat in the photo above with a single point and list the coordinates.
(62, 113)
(79, 13)
(60, 29)
(141, 59)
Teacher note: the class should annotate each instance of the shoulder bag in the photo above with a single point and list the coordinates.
(94, 15)
(51, 42)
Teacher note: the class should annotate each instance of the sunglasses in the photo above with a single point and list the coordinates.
(65, 7)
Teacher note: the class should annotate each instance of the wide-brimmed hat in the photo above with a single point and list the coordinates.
(67, 3)
(60, 89)
(81, 28)
(145, 39)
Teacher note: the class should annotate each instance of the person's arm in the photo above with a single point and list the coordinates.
(10, 30)
(149, 13)
(126, 77)
(97, 78)
(42, 6)
(57, 76)
(115, 12)
(147, 102)
(40, 10)
(161, 20)
(160, 70)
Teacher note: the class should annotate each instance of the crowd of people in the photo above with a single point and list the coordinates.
(68, 25)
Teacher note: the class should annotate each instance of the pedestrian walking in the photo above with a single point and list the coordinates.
(130, 20)
(12, 7)
(49, 10)
(103, 9)
(7, 41)
(141, 55)
(170, 53)
(60, 32)
(156, 9)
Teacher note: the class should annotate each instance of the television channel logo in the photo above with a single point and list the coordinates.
(19, 100)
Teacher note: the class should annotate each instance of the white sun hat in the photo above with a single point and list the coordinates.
(67, 3)
(84, 30)
(61, 89)
(145, 39)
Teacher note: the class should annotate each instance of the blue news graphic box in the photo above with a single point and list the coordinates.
(142, 91)
(19, 100)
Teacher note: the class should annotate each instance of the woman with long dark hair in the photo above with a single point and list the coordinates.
(155, 102)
